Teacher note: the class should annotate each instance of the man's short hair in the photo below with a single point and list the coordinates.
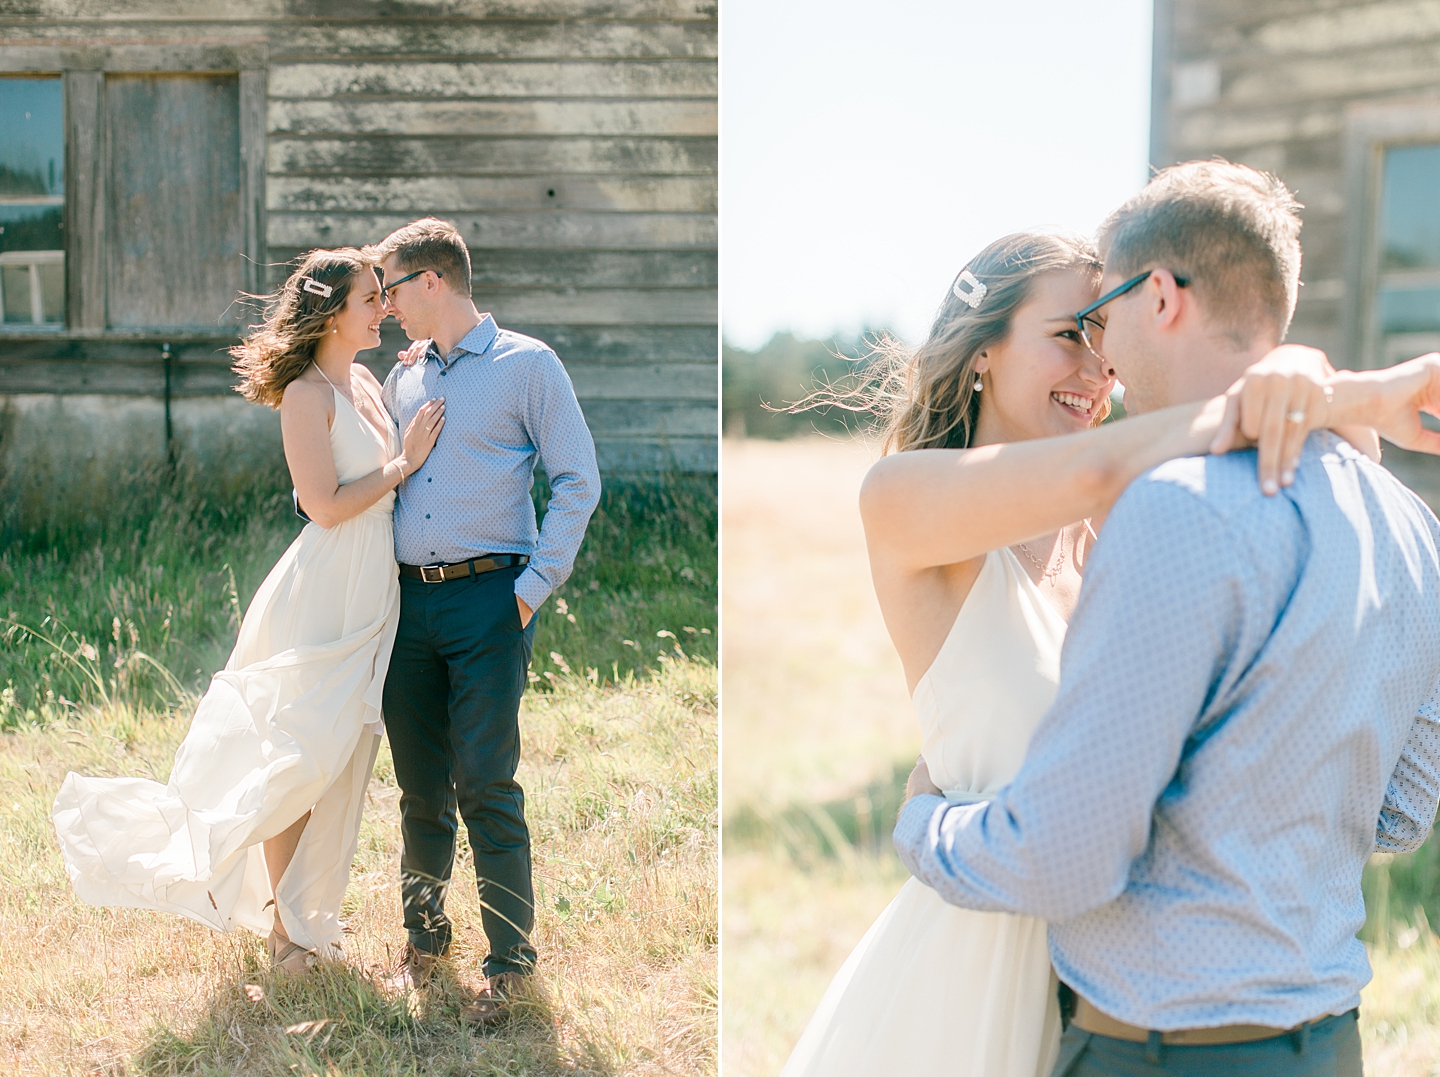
(428, 243)
(1233, 231)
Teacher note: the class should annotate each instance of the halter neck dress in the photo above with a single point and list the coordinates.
(933, 988)
(290, 724)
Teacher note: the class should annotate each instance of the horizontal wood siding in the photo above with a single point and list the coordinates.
(1291, 75)
(573, 142)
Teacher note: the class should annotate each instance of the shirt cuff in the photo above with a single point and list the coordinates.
(913, 826)
(531, 588)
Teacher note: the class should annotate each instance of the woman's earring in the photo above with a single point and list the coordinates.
(334, 330)
(979, 385)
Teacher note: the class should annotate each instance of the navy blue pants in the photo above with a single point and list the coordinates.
(452, 706)
(1329, 1048)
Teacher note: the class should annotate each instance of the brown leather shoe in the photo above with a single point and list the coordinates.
(412, 971)
(496, 1001)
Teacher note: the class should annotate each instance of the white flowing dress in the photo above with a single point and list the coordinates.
(933, 988)
(292, 723)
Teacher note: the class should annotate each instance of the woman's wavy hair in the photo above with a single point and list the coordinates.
(925, 398)
(278, 350)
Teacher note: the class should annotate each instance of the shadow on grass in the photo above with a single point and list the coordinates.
(839, 829)
(336, 1019)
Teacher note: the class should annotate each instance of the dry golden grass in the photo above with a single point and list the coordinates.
(621, 798)
(815, 715)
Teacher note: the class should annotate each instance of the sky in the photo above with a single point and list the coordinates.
(868, 150)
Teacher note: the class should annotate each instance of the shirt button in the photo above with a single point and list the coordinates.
(427, 480)
(427, 516)
(442, 373)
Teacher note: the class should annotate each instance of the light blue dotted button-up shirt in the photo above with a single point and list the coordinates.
(507, 400)
(1248, 708)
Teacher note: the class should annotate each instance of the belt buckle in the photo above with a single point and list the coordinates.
(439, 571)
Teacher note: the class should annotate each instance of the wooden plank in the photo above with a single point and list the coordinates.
(626, 343)
(561, 269)
(252, 176)
(1338, 78)
(529, 118)
(581, 39)
(492, 156)
(612, 231)
(651, 418)
(600, 306)
(448, 194)
(1220, 130)
(653, 381)
(175, 240)
(500, 9)
(408, 39)
(107, 11)
(169, 56)
(1347, 28)
(85, 199)
(496, 78)
(649, 455)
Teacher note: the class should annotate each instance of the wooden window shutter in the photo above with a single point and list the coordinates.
(176, 229)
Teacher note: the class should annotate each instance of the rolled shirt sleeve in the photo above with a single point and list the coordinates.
(1413, 792)
(567, 452)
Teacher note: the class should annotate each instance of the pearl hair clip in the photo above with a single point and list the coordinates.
(974, 295)
(310, 284)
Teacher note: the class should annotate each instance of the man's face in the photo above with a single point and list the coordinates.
(410, 303)
(1128, 343)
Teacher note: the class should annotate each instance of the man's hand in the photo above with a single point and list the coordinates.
(1275, 404)
(919, 781)
(525, 611)
(413, 354)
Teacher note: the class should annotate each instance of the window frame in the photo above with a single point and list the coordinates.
(40, 327)
(83, 67)
(1370, 129)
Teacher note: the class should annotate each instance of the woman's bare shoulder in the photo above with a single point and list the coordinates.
(361, 371)
(306, 394)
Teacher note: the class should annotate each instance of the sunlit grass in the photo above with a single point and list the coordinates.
(620, 794)
(114, 610)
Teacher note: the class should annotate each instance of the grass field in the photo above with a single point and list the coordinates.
(818, 736)
(115, 620)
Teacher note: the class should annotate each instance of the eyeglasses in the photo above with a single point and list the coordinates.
(389, 289)
(1092, 330)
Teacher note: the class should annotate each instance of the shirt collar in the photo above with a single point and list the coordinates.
(475, 342)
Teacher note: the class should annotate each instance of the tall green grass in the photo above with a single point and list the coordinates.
(131, 589)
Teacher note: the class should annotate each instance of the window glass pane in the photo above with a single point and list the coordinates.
(1409, 310)
(32, 201)
(1410, 208)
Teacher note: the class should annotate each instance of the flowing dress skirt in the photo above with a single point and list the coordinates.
(936, 989)
(291, 724)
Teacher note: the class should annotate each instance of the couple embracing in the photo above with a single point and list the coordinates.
(410, 593)
(1138, 825)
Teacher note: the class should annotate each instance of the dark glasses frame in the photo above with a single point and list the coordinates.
(1083, 317)
(386, 289)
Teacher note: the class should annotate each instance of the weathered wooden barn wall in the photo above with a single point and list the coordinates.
(1312, 91)
(572, 141)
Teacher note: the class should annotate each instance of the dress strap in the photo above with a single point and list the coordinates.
(327, 380)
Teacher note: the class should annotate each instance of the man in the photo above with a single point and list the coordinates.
(1250, 681)
(473, 570)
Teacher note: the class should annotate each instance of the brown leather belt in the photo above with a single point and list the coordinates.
(1089, 1019)
(463, 570)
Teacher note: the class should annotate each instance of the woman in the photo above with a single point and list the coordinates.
(977, 558)
(264, 800)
